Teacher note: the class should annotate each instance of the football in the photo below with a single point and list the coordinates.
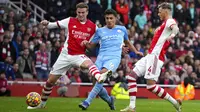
(33, 99)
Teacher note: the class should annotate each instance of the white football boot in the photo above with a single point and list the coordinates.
(128, 109)
(102, 77)
(178, 106)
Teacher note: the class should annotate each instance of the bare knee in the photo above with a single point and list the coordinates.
(151, 85)
(86, 64)
(151, 82)
(53, 78)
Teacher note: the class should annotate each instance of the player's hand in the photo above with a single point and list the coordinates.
(125, 50)
(171, 37)
(139, 53)
(84, 42)
(44, 22)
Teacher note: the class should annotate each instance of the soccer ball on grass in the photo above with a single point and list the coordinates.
(33, 99)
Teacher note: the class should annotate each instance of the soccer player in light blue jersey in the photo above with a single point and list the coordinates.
(111, 39)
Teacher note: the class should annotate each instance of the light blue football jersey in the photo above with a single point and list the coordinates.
(110, 40)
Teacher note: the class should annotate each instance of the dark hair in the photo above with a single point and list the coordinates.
(110, 11)
(165, 5)
(82, 5)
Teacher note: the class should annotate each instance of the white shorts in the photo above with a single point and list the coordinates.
(66, 61)
(149, 67)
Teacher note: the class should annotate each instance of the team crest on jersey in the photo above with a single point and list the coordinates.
(74, 26)
(119, 31)
(88, 29)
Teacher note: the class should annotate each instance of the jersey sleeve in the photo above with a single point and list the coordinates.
(63, 23)
(96, 37)
(170, 22)
(125, 33)
(59, 24)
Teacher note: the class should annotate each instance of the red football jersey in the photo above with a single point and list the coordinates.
(76, 33)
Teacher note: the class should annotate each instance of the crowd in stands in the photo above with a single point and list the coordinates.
(28, 50)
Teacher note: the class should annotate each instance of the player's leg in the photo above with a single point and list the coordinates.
(160, 92)
(152, 73)
(138, 71)
(103, 94)
(105, 66)
(87, 63)
(112, 64)
(94, 92)
(59, 68)
(47, 89)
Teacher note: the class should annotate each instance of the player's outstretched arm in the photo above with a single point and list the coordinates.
(48, 24)
(132, 48)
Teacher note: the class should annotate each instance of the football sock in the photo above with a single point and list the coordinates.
(103, 94)
(95, 91)
(46, 92)
(161, 93)
(132, 88)
(94, 71)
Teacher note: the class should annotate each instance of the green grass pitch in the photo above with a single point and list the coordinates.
(17, 104)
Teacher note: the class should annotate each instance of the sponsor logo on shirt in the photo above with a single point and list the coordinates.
(80, 35)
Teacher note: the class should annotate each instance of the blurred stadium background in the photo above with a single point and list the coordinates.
(19, 22)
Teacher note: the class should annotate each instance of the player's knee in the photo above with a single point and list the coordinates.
(52, 79)
(132, 76)
(86, 64)
(151, 82)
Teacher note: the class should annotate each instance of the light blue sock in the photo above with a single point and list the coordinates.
(95, 91)
(104, 95)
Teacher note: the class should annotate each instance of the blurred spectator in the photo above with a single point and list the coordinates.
(42, 62)
(180, 52)
(194, 80)
(105, 4)
(45, 35)
(54, 53)
(139, 48)
(11, 18)
(7, 49)
(179, 13)
(62, 35)
(4, 91)
(191, 15)
(12, 32)
(1, 31)
(16, 71)
(135, 9)
(62, 83)
(95, 12)
(26, 65)
(7, 66)
(17, 43)
(123, 9)
(166, 80)
(75, 77)
(141, 19)
(119, 77)
(185, 91)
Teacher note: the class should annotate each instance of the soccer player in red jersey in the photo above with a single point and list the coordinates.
(150, 65)
(73, 53)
